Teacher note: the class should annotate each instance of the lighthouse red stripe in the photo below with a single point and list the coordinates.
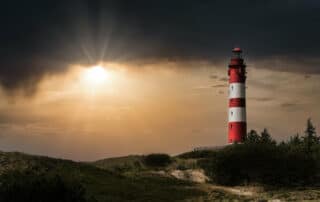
(237, 75)
(237, 131)
(237, 102)
(237, 79)
(235, 62)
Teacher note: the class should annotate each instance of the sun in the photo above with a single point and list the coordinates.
(95, 75)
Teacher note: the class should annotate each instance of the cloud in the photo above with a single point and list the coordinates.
(201, 87)
(223, 79)
(40, 38)
(261, 99)
(219, 86)
(297, 62)
(307, 76)
(288, 105)
(213, 76)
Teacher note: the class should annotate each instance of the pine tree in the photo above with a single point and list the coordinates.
(295, 140)
(252, 137)
(310, 138)
(266, 137)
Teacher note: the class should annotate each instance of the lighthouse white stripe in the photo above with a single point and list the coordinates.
(237, 90)
(237, 114)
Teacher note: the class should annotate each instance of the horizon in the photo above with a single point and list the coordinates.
(97, 79)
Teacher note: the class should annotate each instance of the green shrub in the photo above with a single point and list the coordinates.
(157, 160)
(28, 186)
(197, 154)
(260, 163)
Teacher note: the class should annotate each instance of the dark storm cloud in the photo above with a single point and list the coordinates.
(303, 63)
(39, 37)
(307, 76)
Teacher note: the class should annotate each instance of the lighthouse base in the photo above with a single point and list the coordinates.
(237, 131)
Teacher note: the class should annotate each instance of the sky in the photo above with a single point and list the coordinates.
(85, 80)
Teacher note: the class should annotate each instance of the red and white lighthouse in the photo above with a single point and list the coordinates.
(237, 125)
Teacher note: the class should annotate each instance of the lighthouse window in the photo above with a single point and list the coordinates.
(231, 113)
(231, 87)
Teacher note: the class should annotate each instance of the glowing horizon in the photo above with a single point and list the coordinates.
(145, 109)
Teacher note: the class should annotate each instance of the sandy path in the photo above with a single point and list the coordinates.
(232, 190)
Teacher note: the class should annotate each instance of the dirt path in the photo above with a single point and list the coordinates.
(256, 193)
(234, 190)
(232, 193)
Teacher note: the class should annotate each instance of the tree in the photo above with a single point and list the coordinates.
(310, 136)
(252, 137)
(295, 140)
(266, 137)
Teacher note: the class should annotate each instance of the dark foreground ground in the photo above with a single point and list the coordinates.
(123, 179)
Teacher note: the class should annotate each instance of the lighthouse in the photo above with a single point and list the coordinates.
(237, 125)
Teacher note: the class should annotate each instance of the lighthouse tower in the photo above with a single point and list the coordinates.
(237, 125)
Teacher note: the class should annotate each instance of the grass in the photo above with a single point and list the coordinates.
(122, 164)
(135, 163)
(105, 185)
(106, 180)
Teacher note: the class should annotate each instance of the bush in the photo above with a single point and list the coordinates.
(17, 186)
(260, 163)
(157, 160)
(197, 154)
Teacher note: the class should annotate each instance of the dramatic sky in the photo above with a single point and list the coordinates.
(91, 79)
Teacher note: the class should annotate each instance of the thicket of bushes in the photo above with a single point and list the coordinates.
(196, 154)
(157, 160)
(17, 186)
(260, 159)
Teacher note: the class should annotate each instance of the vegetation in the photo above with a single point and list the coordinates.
(132, 163)
(157, 160)
(85, 182)
(197, 154)
(261, 160)
(35, 187)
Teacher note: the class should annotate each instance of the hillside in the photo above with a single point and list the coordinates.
(128, 178)
(134, 163)
(103, 185)
(121, 164)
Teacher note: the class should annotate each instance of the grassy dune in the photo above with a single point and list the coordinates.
(101, 184)
(130, 179)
